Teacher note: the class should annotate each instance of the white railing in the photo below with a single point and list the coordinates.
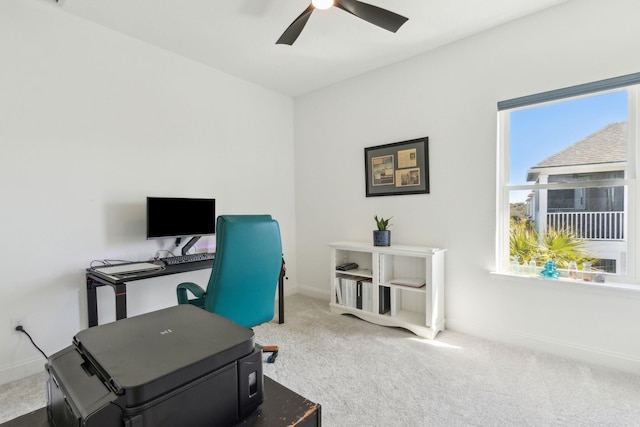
(590, 225)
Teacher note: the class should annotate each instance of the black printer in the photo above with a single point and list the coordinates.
(179, 366)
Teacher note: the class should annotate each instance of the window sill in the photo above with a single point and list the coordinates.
(609, 286)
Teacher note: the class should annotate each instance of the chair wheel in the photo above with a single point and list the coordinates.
(272, 358)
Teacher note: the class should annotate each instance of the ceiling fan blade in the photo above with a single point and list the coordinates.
(375, 15)
(293, 31)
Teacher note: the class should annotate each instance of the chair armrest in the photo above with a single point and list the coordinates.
(196, 290)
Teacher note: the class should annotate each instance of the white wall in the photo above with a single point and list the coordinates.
(450, 95)
(92, 122)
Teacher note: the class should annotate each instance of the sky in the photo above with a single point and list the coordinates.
(538, 132)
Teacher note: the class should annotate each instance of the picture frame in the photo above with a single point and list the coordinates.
(397, 168)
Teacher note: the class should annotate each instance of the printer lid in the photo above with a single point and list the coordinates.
(145, 356)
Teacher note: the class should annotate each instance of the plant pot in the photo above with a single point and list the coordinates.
(381, 237)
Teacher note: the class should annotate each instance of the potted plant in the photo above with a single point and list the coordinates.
(382, 236)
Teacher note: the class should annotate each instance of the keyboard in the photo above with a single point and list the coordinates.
(181, 259)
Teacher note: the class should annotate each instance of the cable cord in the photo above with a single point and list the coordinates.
(167, 253)
(106, 262)
(19, 328)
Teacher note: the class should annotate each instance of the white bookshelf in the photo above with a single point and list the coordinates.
(417, 309)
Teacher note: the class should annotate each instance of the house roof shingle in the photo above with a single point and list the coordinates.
(608, 145)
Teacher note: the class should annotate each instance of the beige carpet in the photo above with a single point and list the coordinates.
(368, 375)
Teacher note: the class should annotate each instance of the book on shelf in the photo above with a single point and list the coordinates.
(349, 288)
(384, 299)
(413, 282)
(366, 289)
(354, 291)
(345, 290)
(338, 286)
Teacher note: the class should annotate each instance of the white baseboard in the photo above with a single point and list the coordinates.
(34, 366)
(314, 292)
(21, 370)
(592, 355)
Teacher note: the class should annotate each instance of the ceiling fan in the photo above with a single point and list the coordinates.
(373, 14)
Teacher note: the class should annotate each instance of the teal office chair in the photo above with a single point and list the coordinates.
(246, 270)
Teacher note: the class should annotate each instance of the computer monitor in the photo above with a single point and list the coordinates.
(177, 217)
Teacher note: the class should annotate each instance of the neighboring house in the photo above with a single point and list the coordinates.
(596, 214)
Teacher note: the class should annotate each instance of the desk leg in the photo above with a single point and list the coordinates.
(121, 300)
(92, 303)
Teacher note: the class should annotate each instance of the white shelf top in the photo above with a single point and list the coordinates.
(399, 249)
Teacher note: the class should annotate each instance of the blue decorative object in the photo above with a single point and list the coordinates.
(550, 271)
(381, 237)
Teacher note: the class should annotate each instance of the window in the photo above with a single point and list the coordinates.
(566, 180)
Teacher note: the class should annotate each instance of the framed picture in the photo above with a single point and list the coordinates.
(398, 168)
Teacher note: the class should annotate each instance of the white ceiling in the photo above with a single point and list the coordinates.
(238, 36)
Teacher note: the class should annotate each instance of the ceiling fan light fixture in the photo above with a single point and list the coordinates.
(375, 15)
(322, 4)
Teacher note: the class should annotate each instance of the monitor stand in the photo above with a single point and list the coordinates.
(190, 244)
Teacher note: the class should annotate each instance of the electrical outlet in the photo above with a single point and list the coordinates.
(15, 321)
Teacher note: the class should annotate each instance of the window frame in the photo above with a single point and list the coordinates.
(629, 83)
